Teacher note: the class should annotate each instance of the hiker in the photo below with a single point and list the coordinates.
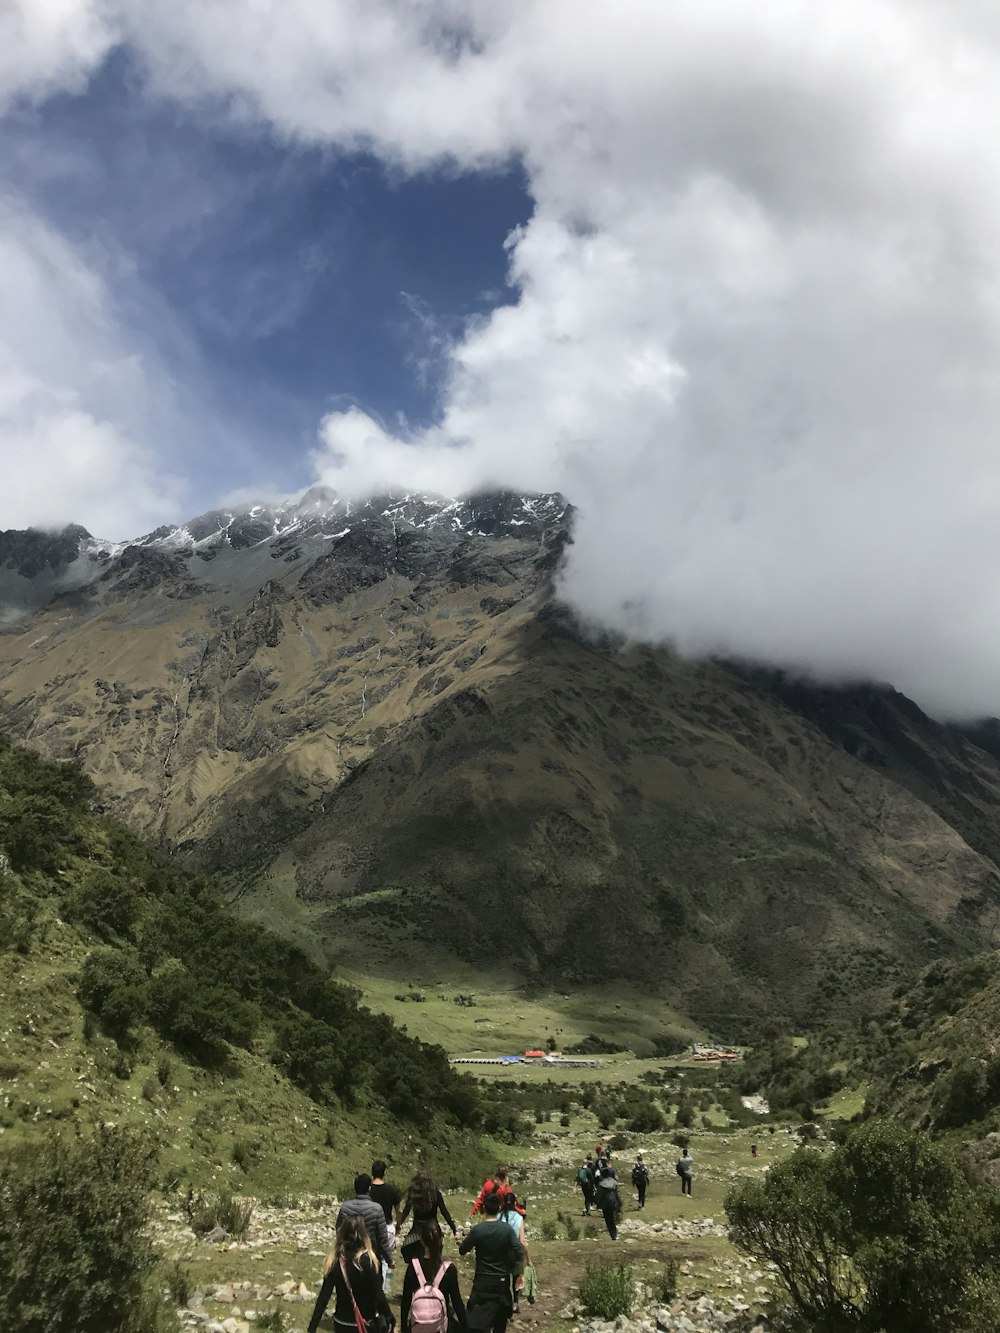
(585, 1179)
(498, 1183)
(498, 1255)
(425, 1200)
(609, 1200)
(388, 1198)
(640, 1178)
(432, 1299)
(685, 1169)
(371, 1214)
(510, 1214)
(753, 1150)
(352, 1273)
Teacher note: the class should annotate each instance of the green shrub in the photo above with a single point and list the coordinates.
(549, 1229)
(104, 903)
(178, 1282)
(885, 1232)
(113, 985)
(572, 1229)
(608, 1291)
(74, 1250)
(646, 1119)
(271, 1322)
(246, 1153)
(206, 1212)
(164, 1069)
(666, 1282)
(684, 1119)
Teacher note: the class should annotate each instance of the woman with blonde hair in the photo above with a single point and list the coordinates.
(353, 1272)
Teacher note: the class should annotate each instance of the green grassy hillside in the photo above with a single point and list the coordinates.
(129, 991)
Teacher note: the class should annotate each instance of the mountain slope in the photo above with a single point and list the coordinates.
(128, 988)
(377, 723)
(643, 817)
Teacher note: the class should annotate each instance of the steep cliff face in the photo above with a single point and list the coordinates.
(376, 720)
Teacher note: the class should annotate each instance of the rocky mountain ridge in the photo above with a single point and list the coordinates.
(38, 566)
(379, 723)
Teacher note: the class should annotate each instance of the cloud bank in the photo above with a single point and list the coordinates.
(754, 329)
(76, 399)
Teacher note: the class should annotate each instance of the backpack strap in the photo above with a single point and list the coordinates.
(359, 1318)
(440, 1274)
(419, 1271)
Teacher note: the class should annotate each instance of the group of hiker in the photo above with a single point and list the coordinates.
(598, 1181)
(359, 1269)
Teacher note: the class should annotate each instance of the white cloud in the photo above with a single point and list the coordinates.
(75, 395)
(51, 45)
(757, 333)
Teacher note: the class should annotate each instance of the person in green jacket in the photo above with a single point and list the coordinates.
(499, 1254)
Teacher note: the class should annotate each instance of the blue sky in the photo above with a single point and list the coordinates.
(287, 278)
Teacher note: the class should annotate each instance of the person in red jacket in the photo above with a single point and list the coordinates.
(497, 1184)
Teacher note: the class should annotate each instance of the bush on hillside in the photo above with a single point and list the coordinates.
(666, 1282)
(19, 914)
(206, 1212)
(884, 1233)
(74, 1251)
(594, 1045)
(113, 985)
(105, 903)
(608, 1291)
(666, 1044)
(968, 1093)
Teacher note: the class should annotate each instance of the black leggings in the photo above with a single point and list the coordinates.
(685, 1184)
(610, 1215)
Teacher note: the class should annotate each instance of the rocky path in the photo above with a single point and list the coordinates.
(237, 1284)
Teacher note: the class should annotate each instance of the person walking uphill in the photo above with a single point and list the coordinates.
(685, 1169)
(371, 1214)
(352, 1273)
(432, 1299)
(609, 1200)
(585, 1179)
(426, 1202)
(388, 1198)
(498, 1183)
(498, 1255)
(640, 1179)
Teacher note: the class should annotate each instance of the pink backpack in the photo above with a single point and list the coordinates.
(428, 1309)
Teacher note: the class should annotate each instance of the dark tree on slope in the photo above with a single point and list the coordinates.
(74, 1252)
(883, 1235)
